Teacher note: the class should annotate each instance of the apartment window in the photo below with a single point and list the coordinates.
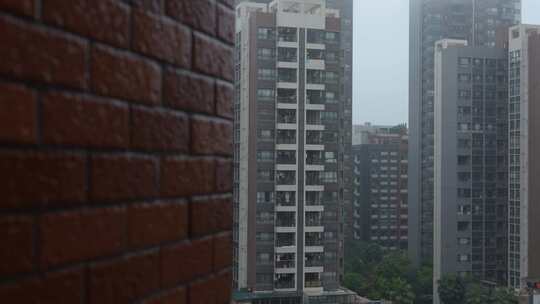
(331, 56)
(463, 257)
(331, 97)
(266, 135)
(331, 77)
(265, 54)
(265, 94)
(265, 236)
(330, 235)
(263, 258)
(332, 37)
(464, 62)
(464, 78)
(265, 156)
(265, 33)
(464, 241)
(329, 116)
(330, 157)
(266, 74)
(330, 137)
(263, 278)
(329, 177)
(265, 217)
(265, 197)
(265, 175)
(463, 226)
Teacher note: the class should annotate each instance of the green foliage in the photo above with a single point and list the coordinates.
(377, 274)
(454, 290)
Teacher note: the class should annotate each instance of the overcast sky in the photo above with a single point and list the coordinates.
(381, 66)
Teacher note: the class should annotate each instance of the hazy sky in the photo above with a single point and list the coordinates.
(381, 42)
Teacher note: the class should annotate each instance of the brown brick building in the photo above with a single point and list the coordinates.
(115, 151)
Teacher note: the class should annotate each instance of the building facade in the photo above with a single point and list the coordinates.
(289, 141)
(524, 148)
(470, 222)
(476, 22)
(380, 188)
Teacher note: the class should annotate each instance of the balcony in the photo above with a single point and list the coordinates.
(286, 75)
(286, 198)
(314, 219)
(286, 96)
(313, 54)
(285, 219)
(315, 97)
(286, 177)
(286, 157)
(315, 259)
(286, 116)
(287, 55)
(284, 281)
(285, 239)
(314, 137)
(315, 36)
(286, 137)
(285, 260)
(315, 77)
(287, 34)
(313, 178)
(314, 239)
(313, 280)
(313, 117)
(314, 158)
(313, 198)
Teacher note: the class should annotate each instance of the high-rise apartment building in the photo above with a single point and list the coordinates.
(471, 135)
(475, 21)
(524, 153)
(380, 187)
(289, 160)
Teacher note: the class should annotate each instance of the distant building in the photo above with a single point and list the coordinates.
(291, 159)
(380, 186)
(470, 214)
(475, 21)
(524, 158)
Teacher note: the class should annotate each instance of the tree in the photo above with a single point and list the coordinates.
(399, 292)
(452, 289)
(476, 294)
(422, 282)
(504, 296)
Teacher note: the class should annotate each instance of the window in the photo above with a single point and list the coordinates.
(265, 33)
(329, 177)
(464, 241)
(263, 258)
(265, 236)
(265, 175)
(266, 74)
(330, 157)
(266, 135)
(331, 77)
(265, 217)
(329, 116)
(331, 97)
(265, 94)
(265, 197)
(332, 37)
(265, 54)
(463, 257)
(265, 156)
(463, 226)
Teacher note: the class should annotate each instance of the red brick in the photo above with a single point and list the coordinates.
(224, 176)
(104, 20)
(222, 252)
(203, 291)
(212, 57)
(183, 177)
(225, 24)
(122, 177)
(17, 237)
(125, 280)
(184, 262)
(155, 6)
(200, 14)
(212, 215)
(55, 288)
(84, 121)
(36, 179)
(150, 224)
(18, 119)
(160, 130)
(188, 92)
(224, 99)
(211, 137)
(32, 53)
(161, 38)
(22, 7)
(223, 285)
(77, 236)
(123, 75)
(176, 296)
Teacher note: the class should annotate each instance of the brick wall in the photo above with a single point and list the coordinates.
(115, 151)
